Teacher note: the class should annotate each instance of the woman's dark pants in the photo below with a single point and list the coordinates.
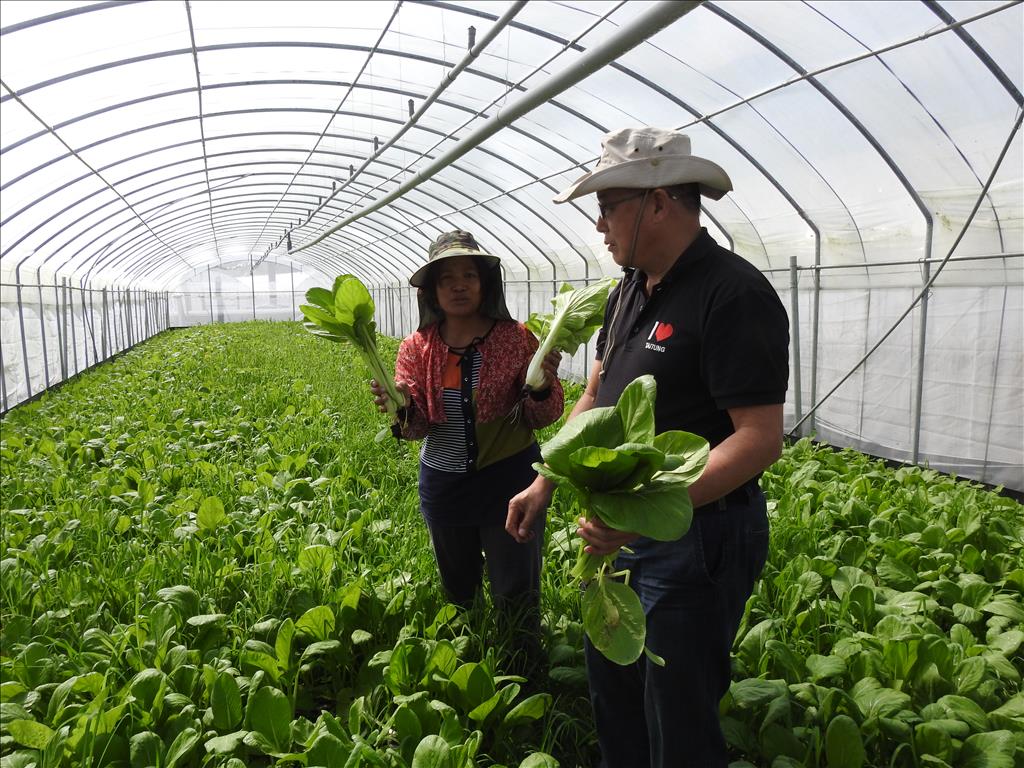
(513, 571)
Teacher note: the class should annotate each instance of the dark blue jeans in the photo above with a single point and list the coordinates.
(694, 591)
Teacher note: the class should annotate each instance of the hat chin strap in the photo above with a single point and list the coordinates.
(636, 231)
(618, 302)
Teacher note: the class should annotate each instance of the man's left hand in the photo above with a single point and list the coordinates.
(602, 540)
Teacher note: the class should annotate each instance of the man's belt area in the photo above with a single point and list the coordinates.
(740, 496)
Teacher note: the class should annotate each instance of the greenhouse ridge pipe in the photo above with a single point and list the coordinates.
(931, 280)
(654, 20)
(202, 127)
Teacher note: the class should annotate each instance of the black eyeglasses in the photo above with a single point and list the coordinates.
(604, 209)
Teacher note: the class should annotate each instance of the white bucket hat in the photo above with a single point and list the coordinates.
(649, 158)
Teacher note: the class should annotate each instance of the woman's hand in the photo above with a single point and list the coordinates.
(380, 396)
(526, 506)
(550, 367)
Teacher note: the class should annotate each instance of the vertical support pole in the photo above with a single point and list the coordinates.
(149, 327)
(92, 323)
(252, 286)
(209, 288)
(115, 305)
(922, 334)
(995, 383)
(3, 382)
(811, 422)
(391, 309)
(103, 325)
(129, 326)
(42, 330)
(74, 330)
(24, 343)
(293, 291)
(63, 334)
(85, 326)
(794, 311)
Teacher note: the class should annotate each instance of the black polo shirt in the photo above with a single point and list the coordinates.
(714, 334)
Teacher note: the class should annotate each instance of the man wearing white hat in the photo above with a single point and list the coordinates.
(712, 331)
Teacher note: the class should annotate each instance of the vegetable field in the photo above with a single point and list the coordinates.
(207, 561)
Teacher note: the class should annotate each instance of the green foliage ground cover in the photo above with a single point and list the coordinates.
(207, 560)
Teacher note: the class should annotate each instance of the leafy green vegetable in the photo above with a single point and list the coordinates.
(634, 481)
(577, 314)
(346, 314)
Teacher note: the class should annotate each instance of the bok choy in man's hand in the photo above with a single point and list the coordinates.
(633, 480)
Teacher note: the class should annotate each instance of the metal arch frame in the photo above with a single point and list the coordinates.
(252, 45)
(192, 159)
(978, 51)
(332, 257)
(653, 86)
(459, 9)
(239, 84)
(474, 52)
(655, 18)
(149, 265)
(337, 111)
(202, 126)
(518, 168)
(418, 205)
(29, 23)
(971, 43)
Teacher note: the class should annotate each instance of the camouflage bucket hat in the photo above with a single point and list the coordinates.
(460, 243)
(456, 243)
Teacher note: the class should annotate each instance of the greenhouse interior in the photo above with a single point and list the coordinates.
(213, 551)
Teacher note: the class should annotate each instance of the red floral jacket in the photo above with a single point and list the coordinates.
(505, 353)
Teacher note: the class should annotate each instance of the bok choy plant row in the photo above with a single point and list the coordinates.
(208, 561)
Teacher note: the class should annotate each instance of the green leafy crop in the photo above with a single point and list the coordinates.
(633, 480)
(346, 314)
(577, 314)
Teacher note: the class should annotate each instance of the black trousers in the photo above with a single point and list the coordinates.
(513, 571)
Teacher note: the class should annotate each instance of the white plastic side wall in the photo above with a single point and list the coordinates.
(50, 332)
(972, 399)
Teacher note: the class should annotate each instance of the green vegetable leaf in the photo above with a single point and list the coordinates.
(613, 619)
(348, 316)
(226, 702)
(270, 714)
(211, 513)
(432, 752)
(598, 427)
(686, 454)
(576, 316)
(661, 510)
(636, 409)
(600, 468)
(29, 733)
(145, 749)
(844, 745)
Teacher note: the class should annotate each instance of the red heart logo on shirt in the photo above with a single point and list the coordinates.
(663, 331)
